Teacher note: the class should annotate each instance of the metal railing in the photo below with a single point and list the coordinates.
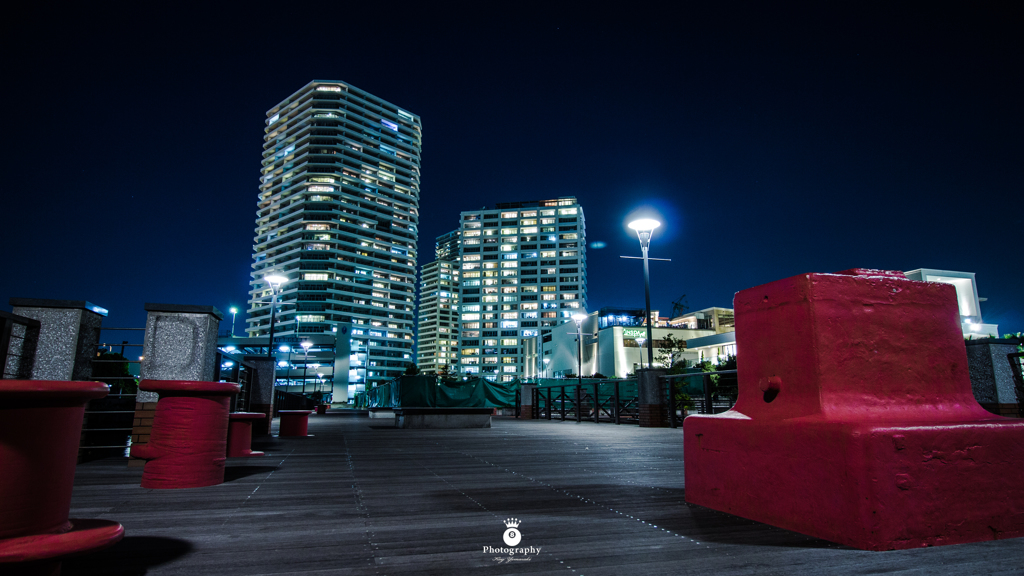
(707, 403)
(232, 368)
(614, 401)
(108, 423)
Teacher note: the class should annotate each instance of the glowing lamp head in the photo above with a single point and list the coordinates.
(640, 341)
(229, 348)
(275, 280)
(233, 310)
(644, 225)
(284, 348)
(306, 346)
(579, 317)
(282, 363)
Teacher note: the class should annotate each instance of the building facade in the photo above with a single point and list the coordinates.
(337, 214)
(524, 272)
(438, 328)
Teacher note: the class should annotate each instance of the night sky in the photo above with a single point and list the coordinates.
(772, 142)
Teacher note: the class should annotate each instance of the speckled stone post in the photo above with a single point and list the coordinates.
(652, 398)
(180, 344)
(991, 376)
(69, 331)
(526, 401)
(262, 391)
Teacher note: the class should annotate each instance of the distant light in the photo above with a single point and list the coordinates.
(284, 348)
(597, 245)
(644, 224)
(976, 327)
(282, 363)
(229, 364)
(307, 345)
(229, 348)
(579, 317)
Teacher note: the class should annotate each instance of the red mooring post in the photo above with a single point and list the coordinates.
(294, 423)
(855, 420)
(40, 426)
(188, 445)
(240, 433)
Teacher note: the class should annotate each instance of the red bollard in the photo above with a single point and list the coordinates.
(40, 426)
(240, 434)
(855, 420)
(294, 423)
(188, 445)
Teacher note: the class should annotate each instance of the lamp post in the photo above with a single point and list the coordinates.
(579, 317)
(644, 228)
(640, 342)
(305, 347)
(234, 312)
(545, 370)
(275, 281)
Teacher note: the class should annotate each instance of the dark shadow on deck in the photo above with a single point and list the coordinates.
(132, 556)
(232, 473)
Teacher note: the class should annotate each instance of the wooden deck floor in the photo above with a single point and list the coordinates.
(362, 498)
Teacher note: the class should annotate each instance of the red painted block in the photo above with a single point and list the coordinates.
(188, 445)
(40, 426)
(240, 434)
(294, 423)
(855, 420)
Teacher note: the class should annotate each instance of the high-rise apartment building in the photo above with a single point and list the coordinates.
(337, 214)
(524, 271)
(438, 329)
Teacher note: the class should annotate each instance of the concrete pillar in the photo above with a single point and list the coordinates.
(19, 337)
(652, 399)
(991, 376)
(262, 391)
(69, 331)
(526, 401)
(180, 344)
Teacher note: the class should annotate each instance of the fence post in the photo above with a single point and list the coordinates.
(708, 409)
(671, 402)
(616, 402)
(578, 415)
(562, 403)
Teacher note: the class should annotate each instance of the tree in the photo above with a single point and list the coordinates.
(113, 370)
(411, 369)
(670, 351)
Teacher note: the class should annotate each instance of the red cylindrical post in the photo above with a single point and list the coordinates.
(294, 422)
(240, 434)
(188, 445)
(40, 426)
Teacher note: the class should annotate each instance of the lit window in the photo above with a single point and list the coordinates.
(329, 88)
(530, 230)
(393, 126)
(314, 276)
(310, 318)
(566, 211)
(317, 247)
(509, 215)
(568, 236)
(547, 254)
(317, 227)
(320, 188)
(470, 317)
(508, 369)
(509, 342)
(273, 119)
(508, 231)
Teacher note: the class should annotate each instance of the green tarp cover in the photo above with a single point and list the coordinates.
(432, 392)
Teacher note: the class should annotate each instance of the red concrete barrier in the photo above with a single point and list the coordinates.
(40, 426)
(855, 420)
(188, 445)
(294, 422)
(240, 433)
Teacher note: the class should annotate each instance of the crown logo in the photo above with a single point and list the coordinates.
(512, 523)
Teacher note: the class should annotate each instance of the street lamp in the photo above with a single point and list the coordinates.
(640, 342)
(545, 370)
(644, 228)
(275, 281)
(305, 347)
(578, 318)
(234, 312)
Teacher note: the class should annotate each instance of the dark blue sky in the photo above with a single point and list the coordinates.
(773, 141)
